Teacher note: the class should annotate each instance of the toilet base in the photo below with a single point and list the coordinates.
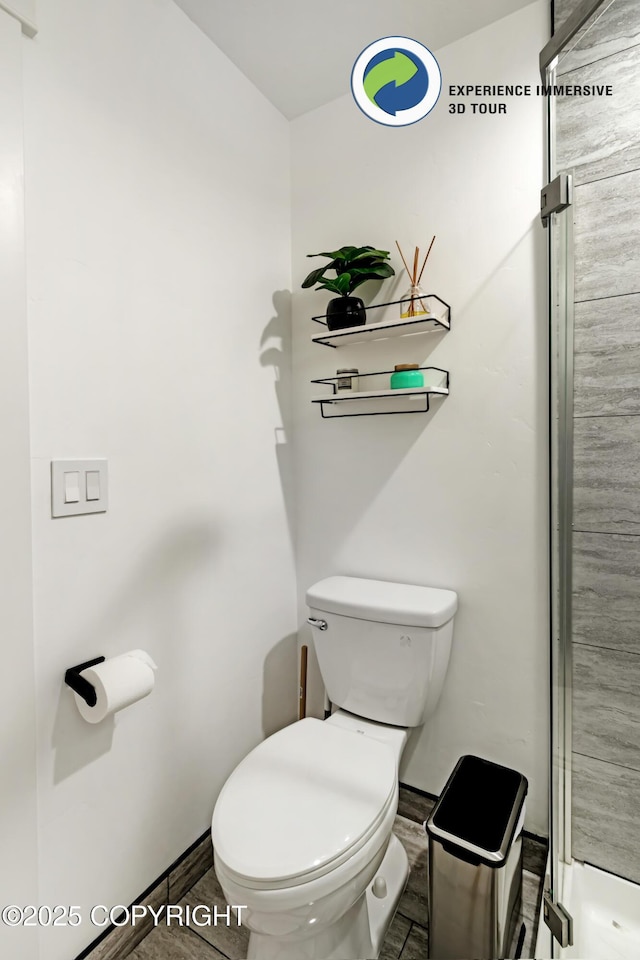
(395, 871)
(359, 934)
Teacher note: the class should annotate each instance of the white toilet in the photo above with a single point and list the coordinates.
(302, 828)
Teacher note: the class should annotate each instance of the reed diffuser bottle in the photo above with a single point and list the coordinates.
(414, 300)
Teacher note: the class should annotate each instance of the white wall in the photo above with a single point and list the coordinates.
(158, 268)
(158, 265)
(456, 498)
(18, 815)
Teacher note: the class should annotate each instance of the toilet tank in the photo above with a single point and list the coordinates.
(385, 649)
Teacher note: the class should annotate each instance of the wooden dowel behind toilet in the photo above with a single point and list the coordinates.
(303, 683)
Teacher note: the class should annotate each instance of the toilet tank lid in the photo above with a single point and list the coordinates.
(383, 602)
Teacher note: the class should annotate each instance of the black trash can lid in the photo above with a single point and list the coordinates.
(478, 810)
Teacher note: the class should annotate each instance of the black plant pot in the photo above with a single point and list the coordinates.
(345, 312)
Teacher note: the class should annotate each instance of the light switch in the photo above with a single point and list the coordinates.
(71, 486)
(78, 486)
(93, 484)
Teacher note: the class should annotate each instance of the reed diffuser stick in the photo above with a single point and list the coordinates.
(425, 259)
(403, 259)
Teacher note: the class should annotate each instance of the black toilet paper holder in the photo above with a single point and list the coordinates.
(81, 685)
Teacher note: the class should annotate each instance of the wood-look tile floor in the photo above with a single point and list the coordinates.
(406, 938)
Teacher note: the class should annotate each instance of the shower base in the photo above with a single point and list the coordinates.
(605, 911)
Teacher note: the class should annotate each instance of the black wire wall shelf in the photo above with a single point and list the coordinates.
(380, 401)
(438, 319)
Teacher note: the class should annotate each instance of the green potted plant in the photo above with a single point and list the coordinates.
(352, 266)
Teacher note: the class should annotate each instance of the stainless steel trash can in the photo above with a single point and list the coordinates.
(475, 862)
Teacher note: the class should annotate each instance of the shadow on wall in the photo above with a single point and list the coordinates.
(539, 270)
(275, 346)
(279, 708)
(148, 607)
(331, 510)
(350, 447)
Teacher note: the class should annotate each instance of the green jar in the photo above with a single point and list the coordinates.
(406, 375)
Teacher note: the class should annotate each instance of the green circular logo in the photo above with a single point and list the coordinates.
(396, 81)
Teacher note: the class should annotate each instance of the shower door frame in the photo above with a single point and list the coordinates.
(561, 319)
(583, 12)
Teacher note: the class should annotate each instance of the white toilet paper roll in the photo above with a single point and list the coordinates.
(118, 682)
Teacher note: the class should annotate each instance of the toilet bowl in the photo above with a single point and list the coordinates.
(302, 829)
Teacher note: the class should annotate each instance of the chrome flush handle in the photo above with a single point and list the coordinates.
(319, 624)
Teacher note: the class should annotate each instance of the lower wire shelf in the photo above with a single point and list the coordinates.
(371, 403)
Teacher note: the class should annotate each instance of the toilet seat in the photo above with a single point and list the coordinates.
(301, 803)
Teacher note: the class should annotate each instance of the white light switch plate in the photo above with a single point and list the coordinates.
(60, 507)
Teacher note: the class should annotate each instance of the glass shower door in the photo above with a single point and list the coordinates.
(594, 262)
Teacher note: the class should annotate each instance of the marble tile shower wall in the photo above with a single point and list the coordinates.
(599, 140)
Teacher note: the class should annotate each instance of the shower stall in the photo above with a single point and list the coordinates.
(592, 210)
